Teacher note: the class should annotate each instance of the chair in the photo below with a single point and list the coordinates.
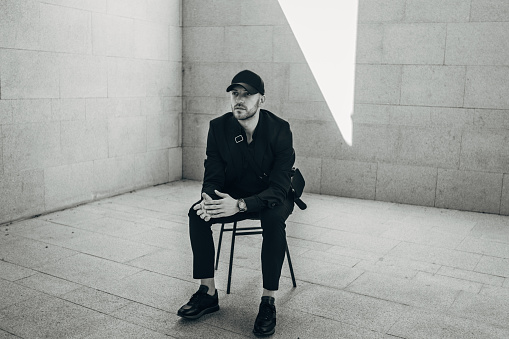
(238, 231)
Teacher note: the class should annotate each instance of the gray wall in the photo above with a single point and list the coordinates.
(431, 120)
(90, 100)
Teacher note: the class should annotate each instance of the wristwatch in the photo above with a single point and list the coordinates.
(242, 205)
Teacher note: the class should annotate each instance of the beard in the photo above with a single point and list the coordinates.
(244, 114)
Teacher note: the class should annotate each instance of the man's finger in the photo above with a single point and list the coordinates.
(206, 197)
(220, 194)
(197, 207)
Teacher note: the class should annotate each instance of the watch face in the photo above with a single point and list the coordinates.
(242, 205)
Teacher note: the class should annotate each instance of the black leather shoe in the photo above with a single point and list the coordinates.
(200, 303)
(265, 323)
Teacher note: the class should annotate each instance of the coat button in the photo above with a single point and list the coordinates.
(273, 204)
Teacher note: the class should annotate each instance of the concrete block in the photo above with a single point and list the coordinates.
(68, 109)
(348, 178)
(151, 168)
(432, 146)
(89, 5)
(157, 106)
(414, 44)
(29, 74)
(208, 79)
(471, 276)
(192, 163)
(484, 246)
(204, 105)
(204, 44)
(468, 190)
(433, 86)
(163, 131)
(316, 138)
(372, 143)
(454, 117)
(493, 266)
(486, 309)
(195, 128)
(406, 184)
(210, 13)
(112, 35)
(285, 45)
(486, 87)
(311, 169)
(160, 78)
(381, 10)
(477, 44)
(21, 195)
(84, 140)
(127, 136)
(12, 272)
(83, 76)
(113, 175)
(65, 29)
(378, 84)
(504, 208)
(410, 115)
(33, 110)
(306, 110)
(491, 118)
(437, 11)
(418, 323)
(489, 10)
(19, 24)
(239, 42)
(31, 146)
(404, 291)
(6, 111)
(68, 185)
(262, 12)
(128, 8)
(369, 43)
(302, 84)
(164, 11)
(175, 44)
(151, 40)
(104, 108)
(175, 164)
(127, 77)
(485, 150)
(372, 114)
(436, 255)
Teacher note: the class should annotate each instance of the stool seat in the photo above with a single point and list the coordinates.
(239, 231)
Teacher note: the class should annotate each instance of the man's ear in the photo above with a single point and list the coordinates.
(262, 99)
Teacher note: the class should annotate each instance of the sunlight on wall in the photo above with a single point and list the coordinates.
(326, 31)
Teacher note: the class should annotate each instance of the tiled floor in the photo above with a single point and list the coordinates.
(121, 267)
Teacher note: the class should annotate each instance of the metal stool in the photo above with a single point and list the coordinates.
(236, 231)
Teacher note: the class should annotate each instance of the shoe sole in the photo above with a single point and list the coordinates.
(198, 315)
(259, 334)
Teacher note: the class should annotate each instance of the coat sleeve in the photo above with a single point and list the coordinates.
(214, 177)
(280, 174)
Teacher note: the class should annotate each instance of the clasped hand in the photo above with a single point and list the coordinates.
(209, 208)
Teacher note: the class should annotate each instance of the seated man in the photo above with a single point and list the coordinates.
(248, 168)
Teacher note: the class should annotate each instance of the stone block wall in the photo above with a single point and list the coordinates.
(431, 117)
(90, 100)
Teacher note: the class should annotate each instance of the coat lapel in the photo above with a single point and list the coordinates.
(233, 131)
(261, 139)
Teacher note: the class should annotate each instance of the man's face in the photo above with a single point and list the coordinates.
(244, 105)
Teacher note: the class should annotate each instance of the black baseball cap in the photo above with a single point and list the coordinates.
(249, 80)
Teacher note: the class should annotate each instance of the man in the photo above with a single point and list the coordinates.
(250, 156)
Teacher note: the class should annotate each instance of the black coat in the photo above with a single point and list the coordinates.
(274, 155)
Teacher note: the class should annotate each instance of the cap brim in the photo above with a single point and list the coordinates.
(248, 87)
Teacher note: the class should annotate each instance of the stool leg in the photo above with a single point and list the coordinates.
(234, 233)
(219, 245)
(291, 267)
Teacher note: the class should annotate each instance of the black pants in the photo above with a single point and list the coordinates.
(273, 222)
